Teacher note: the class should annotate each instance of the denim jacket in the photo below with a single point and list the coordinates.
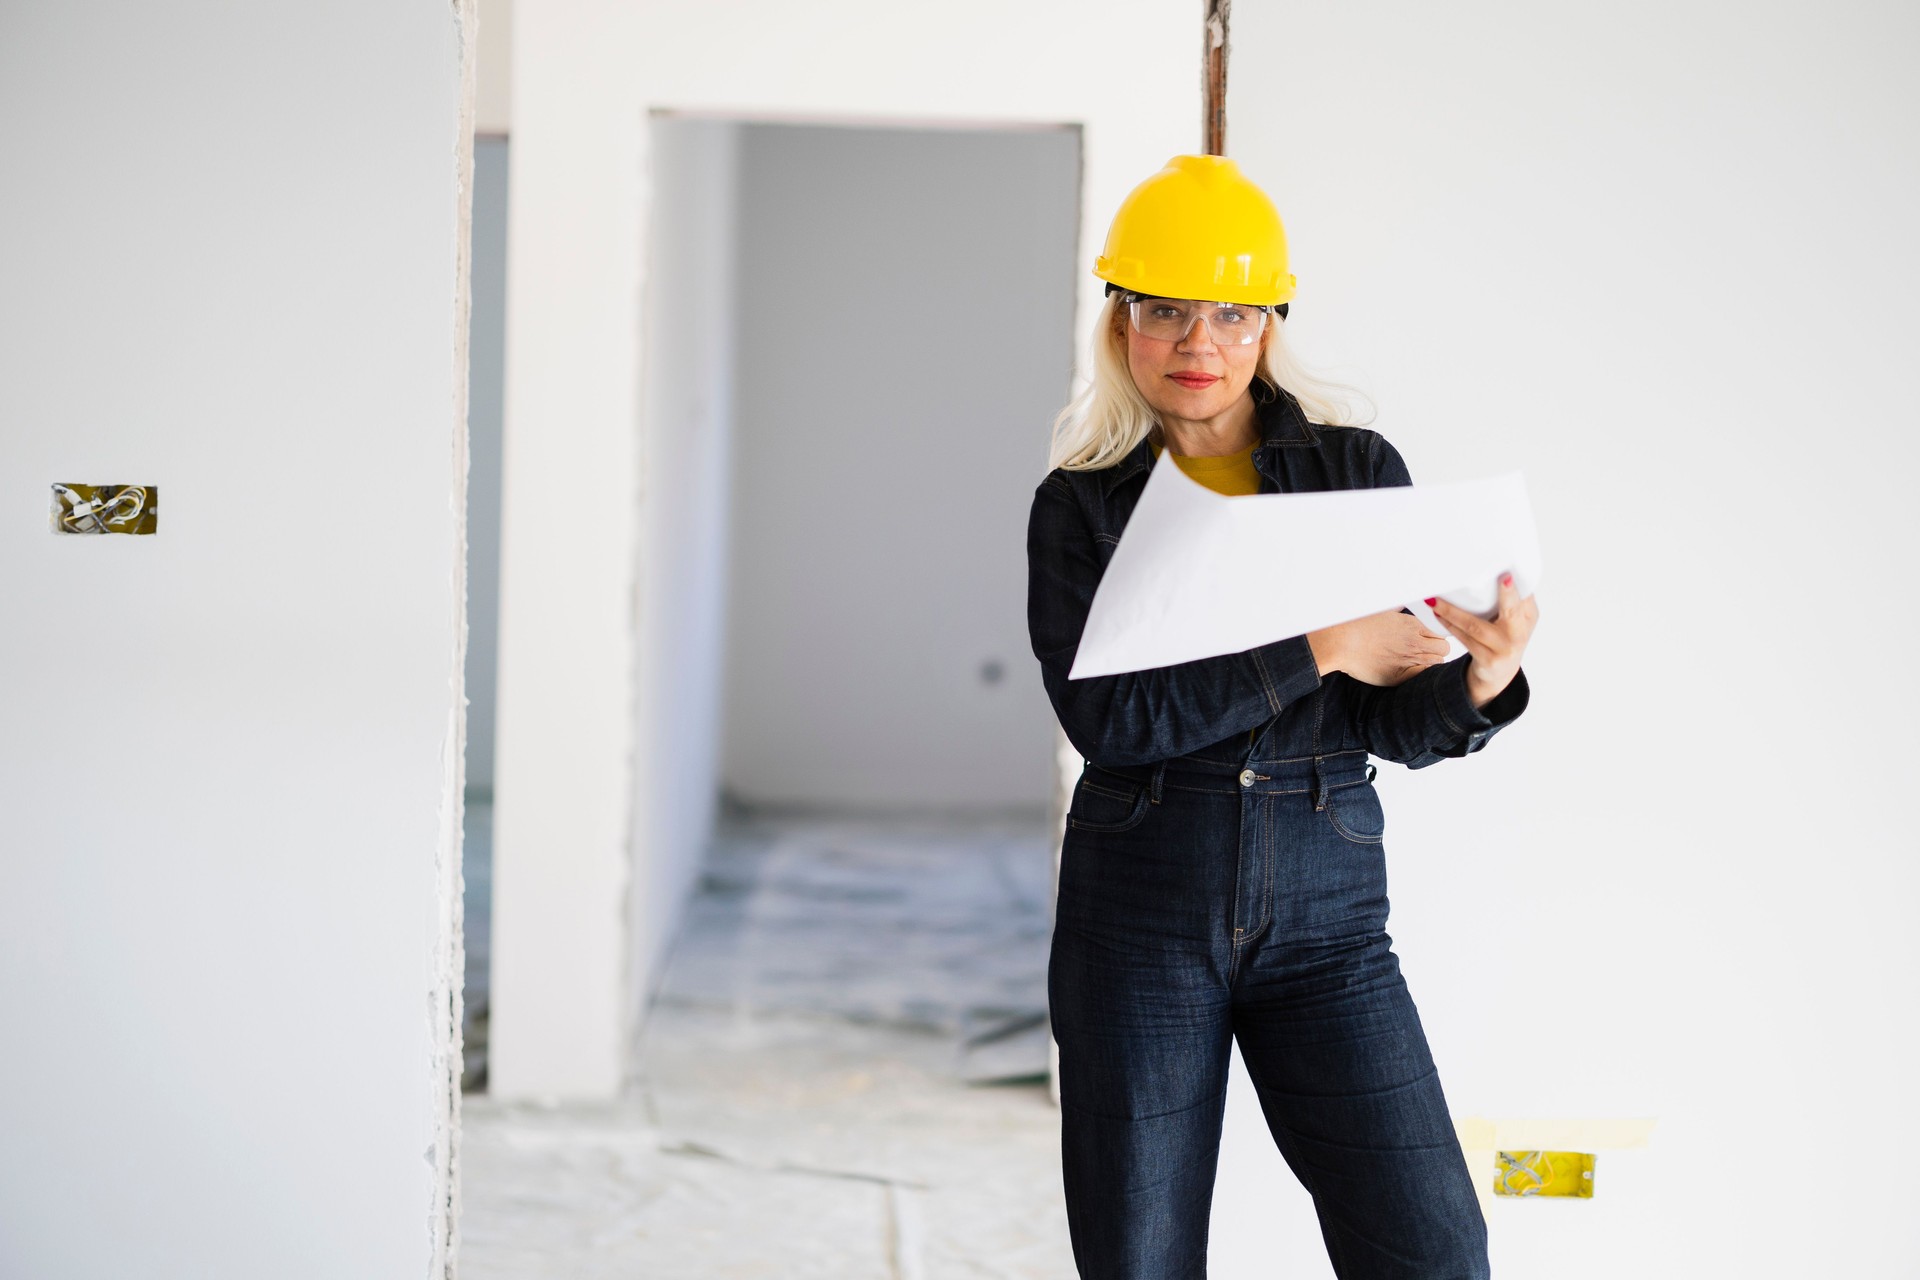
(1268, 702)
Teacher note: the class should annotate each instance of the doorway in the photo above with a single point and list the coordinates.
(856, 337)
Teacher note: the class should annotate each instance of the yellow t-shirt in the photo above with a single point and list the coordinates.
(1231, 474)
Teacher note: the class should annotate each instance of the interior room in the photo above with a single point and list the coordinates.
(565, 784)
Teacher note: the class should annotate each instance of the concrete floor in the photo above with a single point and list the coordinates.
(842, 1076)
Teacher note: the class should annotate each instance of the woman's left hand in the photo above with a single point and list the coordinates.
(1496, 646)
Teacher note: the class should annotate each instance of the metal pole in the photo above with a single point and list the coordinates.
(1213, 78)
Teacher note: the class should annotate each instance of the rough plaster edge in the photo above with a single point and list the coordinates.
(445, 992)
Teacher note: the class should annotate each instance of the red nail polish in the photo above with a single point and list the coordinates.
(1506, 579)
(1432, 600)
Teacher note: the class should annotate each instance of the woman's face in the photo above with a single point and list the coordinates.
(1191, 378)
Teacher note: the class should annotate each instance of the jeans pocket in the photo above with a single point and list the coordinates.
(1099, 807)
(1354, 811)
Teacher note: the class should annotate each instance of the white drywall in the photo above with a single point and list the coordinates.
(563, 759)
(877, 645)
(584, 76)
(229, 821)
(1643, 252)
(1651, 254)
(685, 482)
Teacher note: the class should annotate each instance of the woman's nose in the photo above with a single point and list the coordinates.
(1204, 342)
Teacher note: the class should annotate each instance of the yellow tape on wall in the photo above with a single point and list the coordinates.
(1482, 1138)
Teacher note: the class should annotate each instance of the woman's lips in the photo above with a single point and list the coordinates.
(1194, 381)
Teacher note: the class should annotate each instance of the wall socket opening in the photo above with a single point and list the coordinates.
(106, 508)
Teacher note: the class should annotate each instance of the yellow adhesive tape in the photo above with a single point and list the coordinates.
(1481, 1136)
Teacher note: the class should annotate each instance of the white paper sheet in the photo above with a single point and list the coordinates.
(1198, 574)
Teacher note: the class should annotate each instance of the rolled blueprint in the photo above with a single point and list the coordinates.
(1198, 574)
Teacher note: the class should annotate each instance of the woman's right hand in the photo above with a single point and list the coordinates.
(1381, 648)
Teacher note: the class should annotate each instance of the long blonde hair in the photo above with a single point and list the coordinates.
(1109, 416)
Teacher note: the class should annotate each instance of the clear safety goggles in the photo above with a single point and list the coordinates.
(1231, 324)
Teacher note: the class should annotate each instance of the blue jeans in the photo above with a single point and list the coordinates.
(1204, 901)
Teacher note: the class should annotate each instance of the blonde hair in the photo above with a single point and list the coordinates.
(1109, 416)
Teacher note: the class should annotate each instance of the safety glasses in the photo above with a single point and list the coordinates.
(1231, 324)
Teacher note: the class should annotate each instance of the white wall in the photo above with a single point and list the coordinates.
(584, 76)
(563, 764)
(1645, 252)
(685, 483)
(1653, 255)
(229, 823)
(906, 303)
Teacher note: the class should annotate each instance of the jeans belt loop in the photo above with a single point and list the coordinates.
(1319, 784)
(1153, 786)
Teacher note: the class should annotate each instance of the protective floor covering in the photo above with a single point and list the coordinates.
(842, 1075)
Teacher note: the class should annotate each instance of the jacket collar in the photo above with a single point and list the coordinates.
(1282, 426)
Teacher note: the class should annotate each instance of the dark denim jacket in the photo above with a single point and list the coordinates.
(1266, 703)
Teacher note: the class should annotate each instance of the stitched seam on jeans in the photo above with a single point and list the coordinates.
(1272, 856)
(1134, 818)
(1350, 836)
(1233, 791)
(1324, 755)
(1266, 681)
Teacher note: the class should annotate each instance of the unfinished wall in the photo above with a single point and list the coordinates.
(685, 484)
(584, 76)
(229, 820)
(877, 653)
(1643, 253)
(563, 762)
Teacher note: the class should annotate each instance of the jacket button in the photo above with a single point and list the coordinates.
(1246, 777)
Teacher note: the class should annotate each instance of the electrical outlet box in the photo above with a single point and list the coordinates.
(106, 508)
(1545, 1173)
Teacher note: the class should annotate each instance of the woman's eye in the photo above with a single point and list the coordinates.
(1230, 317)
(1165, 313)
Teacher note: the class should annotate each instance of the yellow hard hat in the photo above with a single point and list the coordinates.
(1198, 229)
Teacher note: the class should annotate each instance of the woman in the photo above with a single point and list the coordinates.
(1222, 876)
